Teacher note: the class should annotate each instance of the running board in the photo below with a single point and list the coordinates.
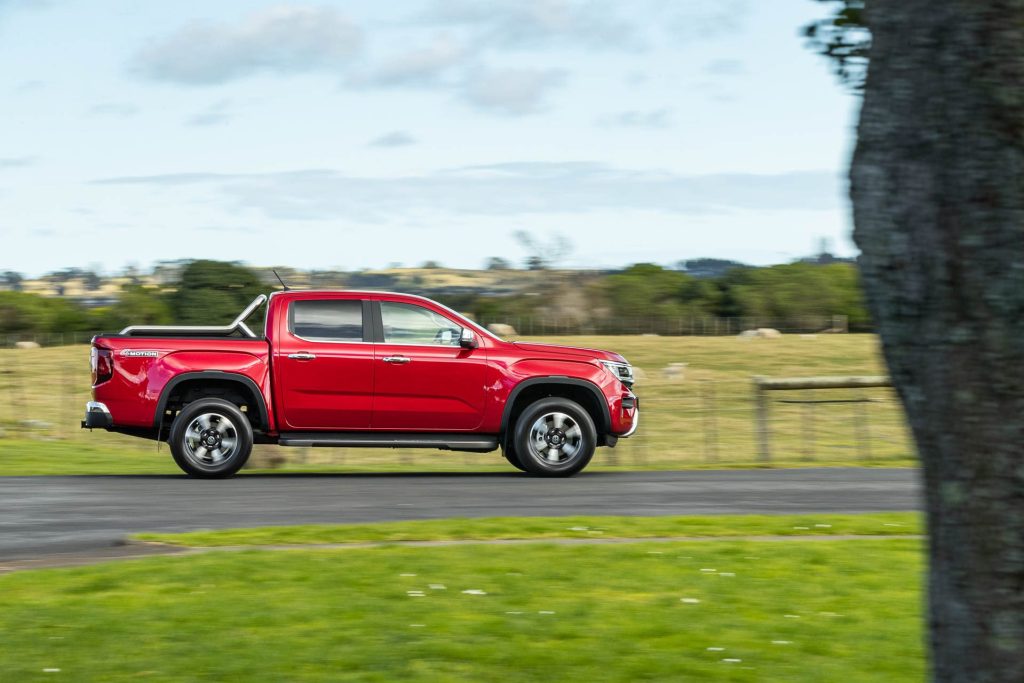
(446, 442)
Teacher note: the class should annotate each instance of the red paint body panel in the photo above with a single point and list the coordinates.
(132, 393)
(439, 389)
(348, 386)
(334, 390)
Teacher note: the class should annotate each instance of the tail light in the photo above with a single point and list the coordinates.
(102, 361)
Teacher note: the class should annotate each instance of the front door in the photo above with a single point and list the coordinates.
(424, 380)
(325, 365)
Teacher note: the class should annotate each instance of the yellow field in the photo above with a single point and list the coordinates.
(700, 414)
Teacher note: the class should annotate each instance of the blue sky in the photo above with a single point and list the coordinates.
(357, 134)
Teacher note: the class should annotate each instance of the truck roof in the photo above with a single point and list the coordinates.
(292, 293)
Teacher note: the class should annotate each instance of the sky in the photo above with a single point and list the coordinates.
(358, 134)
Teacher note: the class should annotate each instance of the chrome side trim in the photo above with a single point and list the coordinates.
(443, 441)
(426, 346)
(237, 324)
(329, 341)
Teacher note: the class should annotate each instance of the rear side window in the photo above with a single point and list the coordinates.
(338, 320)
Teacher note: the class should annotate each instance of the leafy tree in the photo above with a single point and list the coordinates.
(498, 263)
(646, 290)
(787, 294)
(937, 195)
(727, 302)
(31, 314)
(708, 267)
(844, 39)
(136, 306)
(543, 254)
(11, 280)
(535, 263)
(22, 313)
(214, 292)
(488, 309)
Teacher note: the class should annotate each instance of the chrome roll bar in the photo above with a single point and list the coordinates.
(237, 324)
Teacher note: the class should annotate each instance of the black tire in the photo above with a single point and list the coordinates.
(554, 437)
(199, 437)
(513, 458)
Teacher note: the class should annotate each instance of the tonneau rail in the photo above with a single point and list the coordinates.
(237, 325)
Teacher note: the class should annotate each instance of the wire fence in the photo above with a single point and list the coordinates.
(45, 339)
(688, 326)
(685, 326)
(684, 423)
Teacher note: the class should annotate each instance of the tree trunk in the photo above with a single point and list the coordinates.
(938, 192)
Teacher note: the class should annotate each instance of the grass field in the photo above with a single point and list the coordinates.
(663, 611)
(702, 419)
(720, 526)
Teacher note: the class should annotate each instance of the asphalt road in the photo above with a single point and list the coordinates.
(45, 516)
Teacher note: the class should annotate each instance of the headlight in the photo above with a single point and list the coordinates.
(622, 371)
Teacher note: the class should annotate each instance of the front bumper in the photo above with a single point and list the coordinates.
(97, 416)
(636, 423)
(631, 403)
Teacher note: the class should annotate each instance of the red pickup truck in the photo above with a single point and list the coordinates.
(358, 369)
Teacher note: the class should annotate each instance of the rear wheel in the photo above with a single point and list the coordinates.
(554, 437)
(211, 438)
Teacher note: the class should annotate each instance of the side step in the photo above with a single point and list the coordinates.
(448, 442)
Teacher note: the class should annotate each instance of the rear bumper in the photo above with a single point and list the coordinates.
(97, 416)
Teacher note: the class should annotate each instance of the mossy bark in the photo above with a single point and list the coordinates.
(937, 184)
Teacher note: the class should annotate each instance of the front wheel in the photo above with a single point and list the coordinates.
(513, 458)
(211, 438)
(554, 437)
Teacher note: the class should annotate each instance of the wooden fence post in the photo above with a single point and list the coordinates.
(764, 447)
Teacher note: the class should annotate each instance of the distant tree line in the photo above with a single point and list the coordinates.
(651, 295)
(211, 292)
(207, 292)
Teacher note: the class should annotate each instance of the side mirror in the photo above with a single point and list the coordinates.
(467, 339)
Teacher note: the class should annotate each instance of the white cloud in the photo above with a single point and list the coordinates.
(416, 67)
(283, 39)
(214, 115)
(398, 138)
(725, 67)
(514, 92)
(593, 24)
(655, 118)
(29, 86)
(505, 190)
(16, 162)
(695, 21)
(116, 109)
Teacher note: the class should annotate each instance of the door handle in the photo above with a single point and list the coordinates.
(396, 359)
(302, 356)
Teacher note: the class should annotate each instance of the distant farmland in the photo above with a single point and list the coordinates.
(696, 398)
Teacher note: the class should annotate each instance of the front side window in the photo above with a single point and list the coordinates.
(338, 320)
(411, 324)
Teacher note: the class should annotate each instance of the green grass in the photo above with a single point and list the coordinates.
(894, 523)
(704, 419)
(27, 457)
(792, 612)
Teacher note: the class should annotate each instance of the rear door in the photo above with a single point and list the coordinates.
(325, 363)
(424, 380)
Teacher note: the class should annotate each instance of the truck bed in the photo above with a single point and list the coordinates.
(144, 365)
